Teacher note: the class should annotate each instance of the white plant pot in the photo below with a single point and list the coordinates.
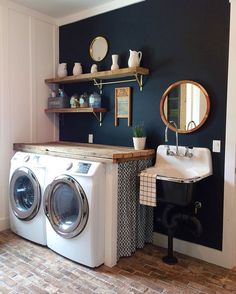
(139, 143)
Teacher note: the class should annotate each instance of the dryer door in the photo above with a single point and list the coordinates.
(66, 206)
(25, 194)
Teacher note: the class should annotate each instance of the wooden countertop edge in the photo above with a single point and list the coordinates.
(117, 153)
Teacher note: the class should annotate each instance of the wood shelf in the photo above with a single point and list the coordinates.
(123, 75)
(97, 112)
(136, 73)
(73, 110)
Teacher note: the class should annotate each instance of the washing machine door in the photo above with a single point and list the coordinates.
(25, 194)
(66, 206)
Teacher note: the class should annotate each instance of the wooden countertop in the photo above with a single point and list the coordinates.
(93, 152)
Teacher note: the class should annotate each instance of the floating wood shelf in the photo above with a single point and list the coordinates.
(96, 111)
(70, 110)
(98, 78)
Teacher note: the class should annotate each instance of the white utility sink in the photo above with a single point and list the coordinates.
(185, 169)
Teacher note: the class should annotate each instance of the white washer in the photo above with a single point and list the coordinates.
(74, 206)
(27, 185)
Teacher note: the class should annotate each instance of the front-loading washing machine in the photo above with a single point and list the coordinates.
(27, 185)
(74, 206)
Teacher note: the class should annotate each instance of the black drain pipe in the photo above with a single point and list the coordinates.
(170, 220)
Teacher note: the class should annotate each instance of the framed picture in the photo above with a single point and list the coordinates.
(123, 104)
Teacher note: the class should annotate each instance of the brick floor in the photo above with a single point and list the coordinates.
(27, 268)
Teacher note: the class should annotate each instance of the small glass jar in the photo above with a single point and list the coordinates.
(95, 100)
(84, 100)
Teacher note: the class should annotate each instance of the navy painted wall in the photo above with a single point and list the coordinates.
(181, 39)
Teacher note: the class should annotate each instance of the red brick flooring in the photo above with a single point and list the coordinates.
(28, 268)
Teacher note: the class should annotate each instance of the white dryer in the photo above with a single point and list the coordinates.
(27, 185)
(74, 206)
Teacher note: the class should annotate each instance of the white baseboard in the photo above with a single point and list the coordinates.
(4, 224)
(194, 250)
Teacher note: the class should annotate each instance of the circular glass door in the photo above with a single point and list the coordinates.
(66, 206)
(25, 194)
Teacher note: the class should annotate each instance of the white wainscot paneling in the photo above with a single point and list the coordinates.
(46, 36)
(4, 122)
(19, 76)
(28, 55)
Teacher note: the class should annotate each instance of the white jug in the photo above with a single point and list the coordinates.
(77, 69)
(62, 70)
(134, 58)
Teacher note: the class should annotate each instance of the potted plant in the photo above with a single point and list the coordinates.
(138, 137)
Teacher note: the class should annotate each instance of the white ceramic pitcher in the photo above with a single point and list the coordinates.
(134, 58)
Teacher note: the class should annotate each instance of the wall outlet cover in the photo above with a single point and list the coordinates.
(216, 146)
(90, 138)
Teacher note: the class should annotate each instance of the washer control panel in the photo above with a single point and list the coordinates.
(83, 167)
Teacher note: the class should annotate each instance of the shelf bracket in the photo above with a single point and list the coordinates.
(98, 84)
(98, 117)
(137, 78)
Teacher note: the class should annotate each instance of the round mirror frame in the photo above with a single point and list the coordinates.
(164, 96)
(91, 48)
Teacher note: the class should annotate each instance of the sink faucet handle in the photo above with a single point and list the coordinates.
(188, 153)
(167, 149)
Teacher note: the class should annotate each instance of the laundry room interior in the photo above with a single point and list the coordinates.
(117, 146)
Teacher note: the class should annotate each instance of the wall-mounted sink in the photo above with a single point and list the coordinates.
(177, 170)
(189, 166)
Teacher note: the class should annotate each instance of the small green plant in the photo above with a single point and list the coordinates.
(138, 131)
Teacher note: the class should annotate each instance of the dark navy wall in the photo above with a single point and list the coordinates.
(181, 39)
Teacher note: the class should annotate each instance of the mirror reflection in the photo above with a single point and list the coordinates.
(98, 48)
(187, 104)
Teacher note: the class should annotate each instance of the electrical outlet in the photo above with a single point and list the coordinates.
(216, 146)
(90, 138)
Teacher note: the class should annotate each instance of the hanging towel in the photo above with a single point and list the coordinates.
(147, 189)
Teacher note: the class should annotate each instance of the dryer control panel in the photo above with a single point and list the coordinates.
(83, 167)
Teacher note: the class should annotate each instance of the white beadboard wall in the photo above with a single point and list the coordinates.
(28, 55)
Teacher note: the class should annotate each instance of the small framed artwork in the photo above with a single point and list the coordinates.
(123, 104)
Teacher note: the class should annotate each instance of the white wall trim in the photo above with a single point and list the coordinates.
(4, 224)
(198, 251)
(115, 4)
(28, 11)
(229, 228)
(56, 62)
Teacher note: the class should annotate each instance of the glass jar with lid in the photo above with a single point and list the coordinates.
(95, 100)
(84, 100)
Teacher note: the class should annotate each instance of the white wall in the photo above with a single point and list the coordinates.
(226, 257)
(229, 229)
(28, 55)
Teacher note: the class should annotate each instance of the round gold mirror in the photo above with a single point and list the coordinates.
(187, 104)
(98, 48)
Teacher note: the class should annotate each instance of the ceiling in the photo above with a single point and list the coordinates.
(61, 8)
